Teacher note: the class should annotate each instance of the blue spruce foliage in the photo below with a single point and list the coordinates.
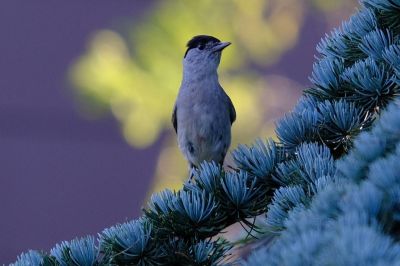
(328, 189)
(354, 219)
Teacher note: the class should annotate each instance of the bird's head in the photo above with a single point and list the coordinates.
(203, 53)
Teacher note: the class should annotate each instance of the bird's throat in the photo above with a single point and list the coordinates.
(198, 75)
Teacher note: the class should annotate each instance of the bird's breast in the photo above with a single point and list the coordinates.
(202, 109)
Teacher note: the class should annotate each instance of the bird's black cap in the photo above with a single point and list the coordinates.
(199, 40)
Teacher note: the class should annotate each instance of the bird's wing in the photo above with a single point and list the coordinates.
(174, 120)
(232, 111)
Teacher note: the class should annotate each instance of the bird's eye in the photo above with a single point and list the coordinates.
(201, 46)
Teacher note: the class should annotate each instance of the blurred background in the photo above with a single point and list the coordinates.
(87, 90)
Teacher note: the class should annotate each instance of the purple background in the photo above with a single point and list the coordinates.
(64, 176)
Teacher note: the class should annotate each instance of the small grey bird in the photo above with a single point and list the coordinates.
(203, 112)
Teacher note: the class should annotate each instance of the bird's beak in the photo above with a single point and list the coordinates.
(221, 46)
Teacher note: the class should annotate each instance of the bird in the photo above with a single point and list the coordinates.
(203, 113)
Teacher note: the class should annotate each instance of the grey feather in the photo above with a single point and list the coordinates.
(232, 111)
(202, 109)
